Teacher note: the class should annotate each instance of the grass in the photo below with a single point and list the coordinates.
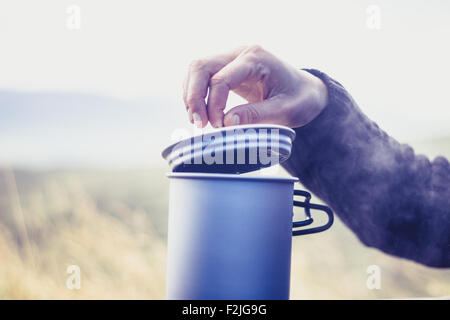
(119, 251)
(112, 224)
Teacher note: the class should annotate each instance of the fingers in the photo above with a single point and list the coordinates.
(267, 111)
(197, 88)
(228, 78)
(196, 85)
(288, 97)
(185, 85)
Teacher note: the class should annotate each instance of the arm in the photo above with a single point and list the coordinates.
(391, 198)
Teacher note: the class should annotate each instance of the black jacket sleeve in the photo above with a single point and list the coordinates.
(391, 198)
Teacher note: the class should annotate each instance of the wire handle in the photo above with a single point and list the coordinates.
(308, 206)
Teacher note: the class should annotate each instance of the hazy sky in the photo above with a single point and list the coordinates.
(399, 74)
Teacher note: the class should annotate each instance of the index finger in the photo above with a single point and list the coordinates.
(220, 84)
(200, 72)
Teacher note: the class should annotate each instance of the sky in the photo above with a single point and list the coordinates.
(396, 68)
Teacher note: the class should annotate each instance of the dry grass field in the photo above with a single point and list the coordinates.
(112, 224)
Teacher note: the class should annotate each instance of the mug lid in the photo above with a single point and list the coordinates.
(225, 176)
(235, 149)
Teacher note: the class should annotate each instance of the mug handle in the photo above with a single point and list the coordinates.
(308, 206)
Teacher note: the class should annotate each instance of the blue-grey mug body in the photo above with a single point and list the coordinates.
(230, 236)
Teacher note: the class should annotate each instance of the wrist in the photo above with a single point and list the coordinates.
(322, 94)
(314, 98)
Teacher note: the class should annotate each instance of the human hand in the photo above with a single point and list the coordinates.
(276, 92)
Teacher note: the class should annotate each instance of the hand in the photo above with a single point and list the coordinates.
(276, 92)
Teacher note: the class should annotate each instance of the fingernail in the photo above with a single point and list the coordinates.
(197, 120)
(218, 124)
(236, 119)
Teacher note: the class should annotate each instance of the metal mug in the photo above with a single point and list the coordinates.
(230, 236)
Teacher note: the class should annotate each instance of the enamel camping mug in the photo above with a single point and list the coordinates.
(230, 235)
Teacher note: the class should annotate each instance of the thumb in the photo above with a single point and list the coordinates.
(267, 111)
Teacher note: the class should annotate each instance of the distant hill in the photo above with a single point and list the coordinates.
(49, 128)
(54, 129)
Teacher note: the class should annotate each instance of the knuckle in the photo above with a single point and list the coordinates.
(253, 53)
(261, 69)
(255, 48)
(197, 64)
(217, 82)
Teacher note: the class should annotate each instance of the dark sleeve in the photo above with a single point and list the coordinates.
(391, 198)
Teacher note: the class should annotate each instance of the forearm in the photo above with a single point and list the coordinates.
(391, 198)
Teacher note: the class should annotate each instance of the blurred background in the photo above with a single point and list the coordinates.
(90, 94)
